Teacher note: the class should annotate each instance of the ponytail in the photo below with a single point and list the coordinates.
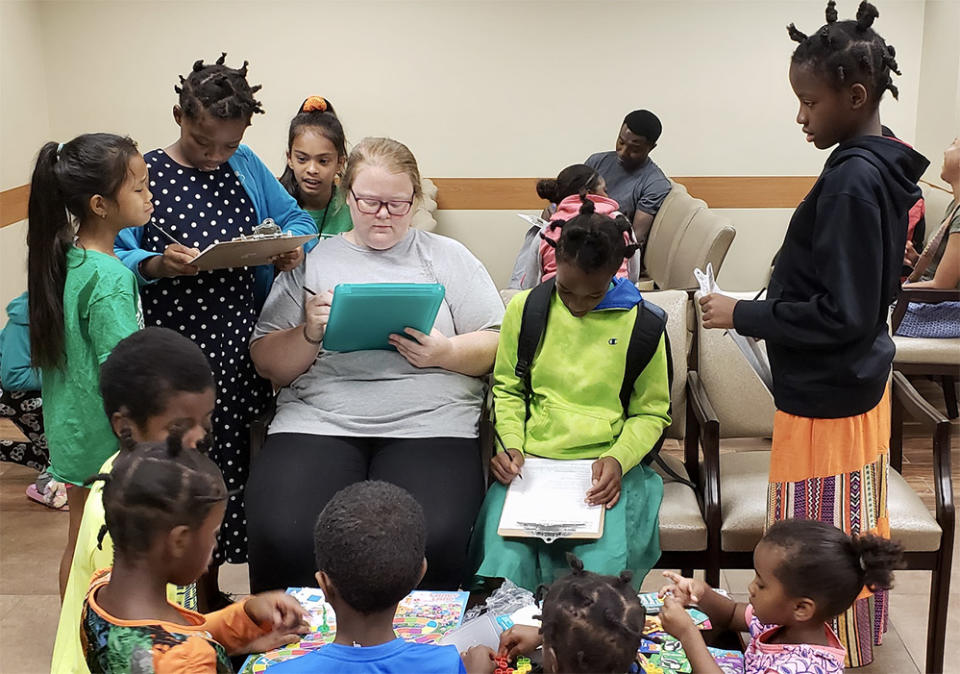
(64, 180)
(49, 234)
(877, 558)
(830, 566)
(575, 179)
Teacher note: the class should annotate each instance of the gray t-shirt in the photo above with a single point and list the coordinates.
(642, 189)
(378, 393)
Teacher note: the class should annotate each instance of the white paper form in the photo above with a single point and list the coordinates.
(549, 501)
(754, 353)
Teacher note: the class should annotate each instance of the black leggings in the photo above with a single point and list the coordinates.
(295, 474)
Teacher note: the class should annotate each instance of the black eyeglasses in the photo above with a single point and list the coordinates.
(371, 206)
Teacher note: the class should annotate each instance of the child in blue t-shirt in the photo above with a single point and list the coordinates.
(370, 541)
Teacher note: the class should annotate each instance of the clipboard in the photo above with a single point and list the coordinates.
(364, 315)
(547, 503)
(247, 251)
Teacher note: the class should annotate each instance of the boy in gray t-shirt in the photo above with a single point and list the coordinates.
(632, 178)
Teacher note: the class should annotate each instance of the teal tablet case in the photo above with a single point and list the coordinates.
(364, 315)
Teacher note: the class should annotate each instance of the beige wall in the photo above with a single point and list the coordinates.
(476, 88)
(24, 126)
(938, 105)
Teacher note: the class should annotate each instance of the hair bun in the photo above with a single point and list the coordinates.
(314, 104)
(548, 188)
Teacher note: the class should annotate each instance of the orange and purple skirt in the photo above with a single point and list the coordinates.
(835, 471)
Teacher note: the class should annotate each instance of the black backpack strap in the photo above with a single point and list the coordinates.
(533, 323)
(649, 325)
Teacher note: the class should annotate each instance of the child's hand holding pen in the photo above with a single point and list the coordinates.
(506, 465)
(316, 311)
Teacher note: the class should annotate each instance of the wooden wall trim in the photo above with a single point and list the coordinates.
(521, 194)
(13, 205)
(717, 191)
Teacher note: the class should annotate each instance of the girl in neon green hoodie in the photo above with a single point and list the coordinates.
(575, 412)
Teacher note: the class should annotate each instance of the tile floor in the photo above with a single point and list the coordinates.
(31, 540)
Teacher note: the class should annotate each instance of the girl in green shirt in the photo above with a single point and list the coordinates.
(316, 153)
(82, 299)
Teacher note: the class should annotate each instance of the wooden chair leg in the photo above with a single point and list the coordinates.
(949, 385)
(686, 573)
(937, 619)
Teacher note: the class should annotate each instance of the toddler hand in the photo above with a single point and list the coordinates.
(607, 474)
(478, 660)
(519, 640)
(288, 261)
(277, 609)
(431, 350)
(687, 591)
(675, 620)
(506, 465)
(316, 311)
(718, 310)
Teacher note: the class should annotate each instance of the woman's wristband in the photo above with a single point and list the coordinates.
(307, 337)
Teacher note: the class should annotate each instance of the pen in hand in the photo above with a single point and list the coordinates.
(499, 440)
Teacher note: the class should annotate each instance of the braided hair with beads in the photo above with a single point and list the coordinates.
(848, 52)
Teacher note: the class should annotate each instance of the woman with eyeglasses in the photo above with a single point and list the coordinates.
(408, 416)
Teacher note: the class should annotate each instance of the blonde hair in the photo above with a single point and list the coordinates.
(388, 153)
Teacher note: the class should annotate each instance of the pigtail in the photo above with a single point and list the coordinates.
(575, 564)
(831, 12)
(100, 536)
(795, 34)
(625, 578)
(877, 558)
(866, 14)
(547, 188)
(220, 61)
(587, 207)
(49, 235)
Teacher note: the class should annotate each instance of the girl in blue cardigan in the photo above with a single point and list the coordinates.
(208, 187)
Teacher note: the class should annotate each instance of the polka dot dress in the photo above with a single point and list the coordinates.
(215, 309)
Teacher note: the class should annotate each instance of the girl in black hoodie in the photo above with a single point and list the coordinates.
(825, 316)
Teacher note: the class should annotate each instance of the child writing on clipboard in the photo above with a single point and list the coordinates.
(571, 411)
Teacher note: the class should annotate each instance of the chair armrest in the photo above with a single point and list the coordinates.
(922, 295)
(935, 423)
(698, 402)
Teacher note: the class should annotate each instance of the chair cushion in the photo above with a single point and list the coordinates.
(705, 239)
(926, 350)
(910, 522)
(681, 524)
(743, 498)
